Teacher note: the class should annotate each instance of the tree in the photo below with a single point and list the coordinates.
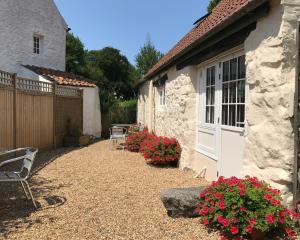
(147, 57)
(112, 71)
(212, 4)
(75, 54)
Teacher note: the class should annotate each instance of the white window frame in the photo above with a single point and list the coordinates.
(162, 97)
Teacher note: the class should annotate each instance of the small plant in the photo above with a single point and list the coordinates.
(134, 140)
(161, 150)
(240, 207)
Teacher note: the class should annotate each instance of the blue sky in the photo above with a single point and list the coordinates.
(124, 24)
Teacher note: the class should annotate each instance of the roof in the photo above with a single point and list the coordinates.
(61, 78)
(224, 11)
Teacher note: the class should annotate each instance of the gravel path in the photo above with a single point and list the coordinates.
(98, 193)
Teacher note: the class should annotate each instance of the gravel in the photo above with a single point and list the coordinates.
(97, 193)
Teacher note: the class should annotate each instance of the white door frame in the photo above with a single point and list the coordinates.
(217, 127)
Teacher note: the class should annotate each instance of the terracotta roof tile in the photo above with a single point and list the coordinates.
(222, 12)
(61, 78)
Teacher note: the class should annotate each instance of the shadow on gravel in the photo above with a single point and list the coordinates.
(15, 209)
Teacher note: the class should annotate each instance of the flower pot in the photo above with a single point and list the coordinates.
(258, 234)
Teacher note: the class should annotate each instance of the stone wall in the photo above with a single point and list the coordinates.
(143, 105)
(19, 21)
(178, 117)
(271, 66)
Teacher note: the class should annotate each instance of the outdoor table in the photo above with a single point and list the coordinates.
(122, 125)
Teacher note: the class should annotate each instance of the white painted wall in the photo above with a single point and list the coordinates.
(19, 21)
(91, 112)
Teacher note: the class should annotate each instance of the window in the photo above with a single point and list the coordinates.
(36, 44)
(210, 95)
(233, 92)
(162, 97)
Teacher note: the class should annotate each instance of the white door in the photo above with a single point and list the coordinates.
(222, 113)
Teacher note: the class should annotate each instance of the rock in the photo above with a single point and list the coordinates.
(181, 202)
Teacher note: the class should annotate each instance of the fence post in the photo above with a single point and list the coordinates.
(54, 115)
(81, 95)
(14, 79)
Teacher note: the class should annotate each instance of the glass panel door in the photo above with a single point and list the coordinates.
(233, 92)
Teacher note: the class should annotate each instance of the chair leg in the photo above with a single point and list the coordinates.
(32, 198)
(26, 194)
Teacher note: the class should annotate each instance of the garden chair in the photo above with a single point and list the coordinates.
(118, 133)
(26, 157)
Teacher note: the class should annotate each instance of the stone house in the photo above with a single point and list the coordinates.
(33, 36)
(226, 91)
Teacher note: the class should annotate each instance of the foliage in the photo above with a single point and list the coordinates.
(212, 4)
(161, 150)
(147, 57)
(134, 141)
(239, 206)
(72, 130)
(124, 111)
(75, 54)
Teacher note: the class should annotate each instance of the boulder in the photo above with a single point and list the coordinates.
(181, 202)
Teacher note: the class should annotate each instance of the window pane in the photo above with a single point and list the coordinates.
(241, 91)
(208, 77)
(225, 114)
(241, 114)
(207, 115)
(232, 120)
(226, 71)
(233, 69)
(208, 97)
(225, 93)
(212, 114)
(212, 96)
(242, 68)
(232, 92)
(213, 75)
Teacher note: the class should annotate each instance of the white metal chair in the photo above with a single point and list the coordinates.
(118, 133)
(26, 157)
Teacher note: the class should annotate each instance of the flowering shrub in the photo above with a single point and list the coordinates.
(160, 150)
(134, 140)
(239, 206)
(134, 129)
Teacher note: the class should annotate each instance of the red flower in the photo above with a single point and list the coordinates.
(224, 238)
(252, 221)
(249, 229)
(204, 211)
(219, 195)
(243, 209)
(294, 215)
(268, 197)
(212, 203)
(275, 202)
(226, 222)
(270, 218)
(289, 232)
(220, 219)
(205, 221)
(221, 205)
(234, 230)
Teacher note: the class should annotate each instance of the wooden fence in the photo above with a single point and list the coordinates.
(34, 113)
